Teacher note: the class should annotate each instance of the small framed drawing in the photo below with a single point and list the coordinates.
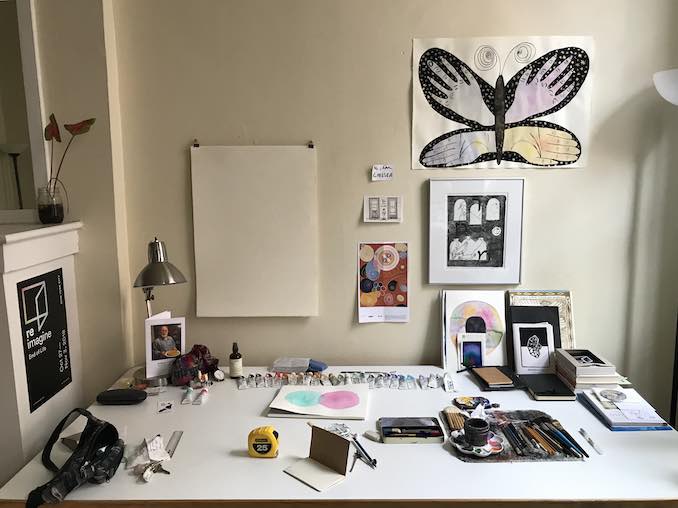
(382, 209)
(475, 231)
(562, 300)
(165, 341)
(533, 348)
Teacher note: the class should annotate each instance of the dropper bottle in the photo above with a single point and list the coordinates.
(235, 362)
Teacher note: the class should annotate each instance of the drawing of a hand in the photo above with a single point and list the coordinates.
(541, 93)
(541, 146)
(460, 92)
(460, 148)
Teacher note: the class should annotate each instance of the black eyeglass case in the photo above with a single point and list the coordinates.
(121, 397)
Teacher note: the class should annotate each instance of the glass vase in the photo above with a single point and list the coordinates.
(50, 205)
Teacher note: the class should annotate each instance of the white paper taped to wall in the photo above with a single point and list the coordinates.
(255, 223)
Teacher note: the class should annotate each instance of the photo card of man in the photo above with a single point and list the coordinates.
(534, 348)
(383, 292)
(165, 341)
(471, 350)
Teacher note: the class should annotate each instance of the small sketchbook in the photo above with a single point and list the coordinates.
(348, 402)
(547, 387)
(327, 463)
(622, 409)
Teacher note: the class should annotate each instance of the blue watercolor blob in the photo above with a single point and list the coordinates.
(371, 271)
(303, 398)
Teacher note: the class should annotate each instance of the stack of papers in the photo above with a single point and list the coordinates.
(622, 409)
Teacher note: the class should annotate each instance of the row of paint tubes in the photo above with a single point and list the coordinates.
(391, 380)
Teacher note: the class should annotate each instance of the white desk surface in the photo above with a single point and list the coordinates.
(211, 462)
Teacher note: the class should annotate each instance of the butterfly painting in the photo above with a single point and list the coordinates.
(501, 104)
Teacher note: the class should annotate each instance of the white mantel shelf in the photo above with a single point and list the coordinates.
(24, 245)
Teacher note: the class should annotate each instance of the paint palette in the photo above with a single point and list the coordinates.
(495, 444)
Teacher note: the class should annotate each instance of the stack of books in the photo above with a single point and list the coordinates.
(580, 369)
(622, 409)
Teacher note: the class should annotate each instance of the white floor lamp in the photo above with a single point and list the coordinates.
(666, 83)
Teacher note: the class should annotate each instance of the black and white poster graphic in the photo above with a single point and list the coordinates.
(475, 230)
(534, 348)
(534, 351)
(42, 309)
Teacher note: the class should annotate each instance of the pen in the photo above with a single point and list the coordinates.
(567, 445)
(585, 435)
(512, 440)
(567, 435)
(413, 434)
(521, 440)
(363, 453)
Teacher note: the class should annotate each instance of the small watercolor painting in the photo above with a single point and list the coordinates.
(336, 402)
(474, 312)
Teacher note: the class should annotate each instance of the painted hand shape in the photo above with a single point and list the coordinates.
(460, 93)
(542, 92)
(541, 146)
(459, 148)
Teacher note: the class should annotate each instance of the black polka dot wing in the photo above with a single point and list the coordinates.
(541, 88)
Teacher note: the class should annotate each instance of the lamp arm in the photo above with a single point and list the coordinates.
(149, 296)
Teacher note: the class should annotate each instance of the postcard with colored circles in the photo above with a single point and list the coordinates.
(383, 295)
(347, 402)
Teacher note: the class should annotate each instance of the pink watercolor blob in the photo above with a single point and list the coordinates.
(340, 399)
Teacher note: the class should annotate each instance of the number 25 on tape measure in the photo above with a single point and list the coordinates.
(262, 442)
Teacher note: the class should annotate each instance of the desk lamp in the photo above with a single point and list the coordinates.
(158, 272)
(666, 83)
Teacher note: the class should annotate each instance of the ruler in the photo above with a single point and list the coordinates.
(174, 442)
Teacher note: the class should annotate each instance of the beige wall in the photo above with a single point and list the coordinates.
(271, 72)
(339, 72)
(71, 43)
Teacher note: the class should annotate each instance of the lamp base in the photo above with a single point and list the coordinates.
(141, 379)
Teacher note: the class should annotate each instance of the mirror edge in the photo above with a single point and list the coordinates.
(35, 107)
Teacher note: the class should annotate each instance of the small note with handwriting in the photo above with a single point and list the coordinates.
(382, 172)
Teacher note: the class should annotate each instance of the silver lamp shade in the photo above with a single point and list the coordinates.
(158, 271)
(666, 83)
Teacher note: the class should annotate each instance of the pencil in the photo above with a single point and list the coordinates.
(532, 443)
(540, 440)
(554, 444)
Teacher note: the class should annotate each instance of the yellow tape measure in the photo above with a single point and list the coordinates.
(262, 443)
